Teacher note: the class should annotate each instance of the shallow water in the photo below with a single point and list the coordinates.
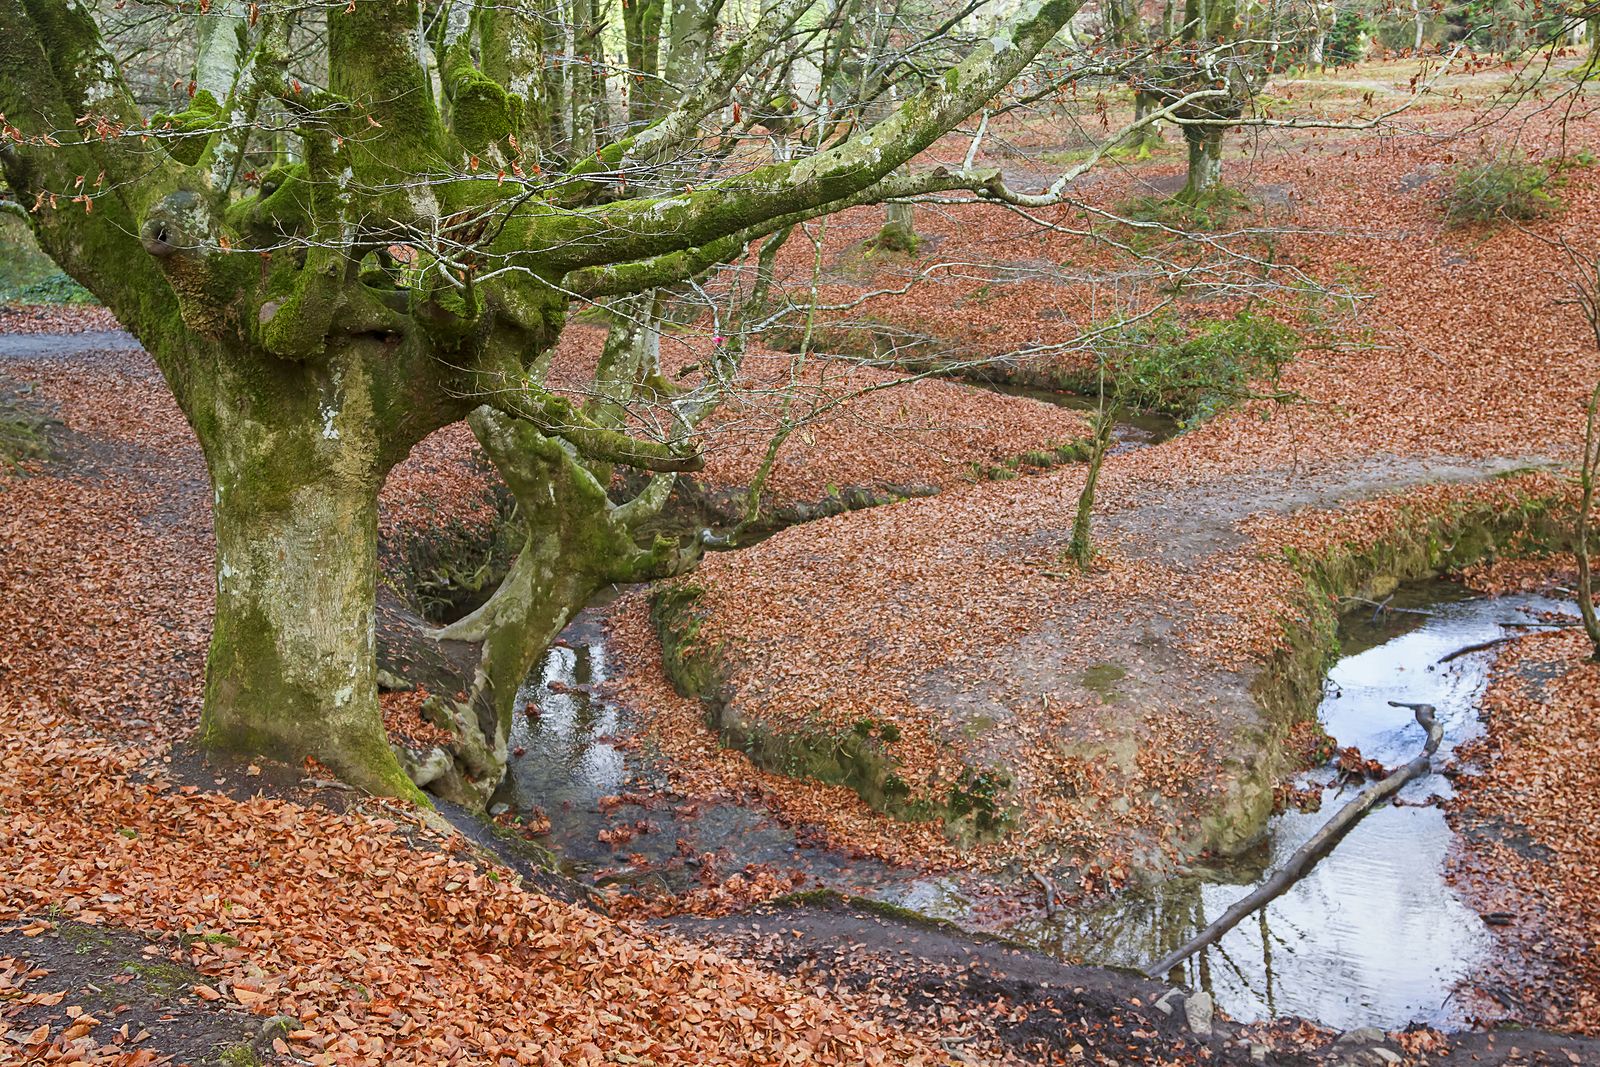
(1373, 935)
(581, 751)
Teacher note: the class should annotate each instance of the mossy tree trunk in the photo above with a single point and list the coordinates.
(1081, 548)
(291, 671)
(1147, 139)
(576, 542)
(1205, 161)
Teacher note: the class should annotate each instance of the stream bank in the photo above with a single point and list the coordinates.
(1374, 935)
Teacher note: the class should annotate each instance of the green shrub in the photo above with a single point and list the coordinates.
(1192, 373)
(1210, 210)
(1497, 188)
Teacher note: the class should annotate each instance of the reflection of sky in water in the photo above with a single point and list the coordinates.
(1373, 935)
(568, 723)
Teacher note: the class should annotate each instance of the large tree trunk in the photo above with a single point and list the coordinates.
(295, 470)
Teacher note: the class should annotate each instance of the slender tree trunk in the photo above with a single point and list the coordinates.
(586, 40)
(641, 20)
(1580, 548)
(1205, 161)
(1082, 547)
(1323, 16)
(1419, 19)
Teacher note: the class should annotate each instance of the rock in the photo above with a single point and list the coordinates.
(1198, 1009)
(1164, 1004)
(1367, 1035)
(392, 682)
(1371, 1057)
(424, 768)
(499, 809)
(1258, 1053)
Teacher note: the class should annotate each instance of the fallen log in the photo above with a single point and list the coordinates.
(1319, 845)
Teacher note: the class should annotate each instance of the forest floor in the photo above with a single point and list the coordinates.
(216, 898)
(156, 907)
(1444, 373)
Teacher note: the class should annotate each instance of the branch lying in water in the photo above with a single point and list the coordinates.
(1320, 844)
(1479, 647)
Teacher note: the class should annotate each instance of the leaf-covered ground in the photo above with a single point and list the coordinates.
(1530, 855)
(954, 619)
(380, 940)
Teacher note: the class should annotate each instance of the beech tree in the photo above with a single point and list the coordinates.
(326, 271)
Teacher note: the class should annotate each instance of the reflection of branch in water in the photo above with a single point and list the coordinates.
(1266, 964)
(1238, 971)
(1478, 647)
(1319, 845)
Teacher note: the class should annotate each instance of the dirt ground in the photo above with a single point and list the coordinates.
(1049, 1012)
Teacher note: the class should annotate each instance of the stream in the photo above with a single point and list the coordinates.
(1373, 936)
(582, 760)
(1133, 430)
